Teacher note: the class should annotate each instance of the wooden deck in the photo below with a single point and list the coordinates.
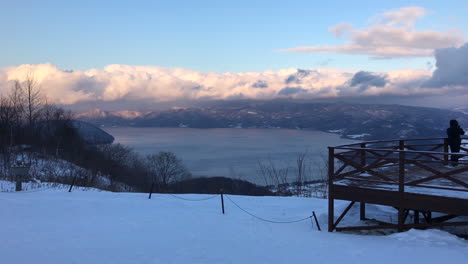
(414, 176)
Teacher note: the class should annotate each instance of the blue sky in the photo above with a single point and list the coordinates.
(219, 36)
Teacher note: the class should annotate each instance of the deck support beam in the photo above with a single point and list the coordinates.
(416, 217)
(331, 201)
(350, 205)
(362, 211)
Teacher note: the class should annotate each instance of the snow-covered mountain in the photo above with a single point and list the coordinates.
(357, 121)
(100, 114)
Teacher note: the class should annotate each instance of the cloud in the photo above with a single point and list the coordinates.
(405, 16)
(340, 29)
(292, 79)
(451, 68)
(391, 36)
(365, 80)
(159, 84)
(298, 75)
(116, 84)
(292, 90)
(260, 84)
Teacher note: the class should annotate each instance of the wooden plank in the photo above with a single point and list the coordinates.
(407, 151)
(413, 201)
(343, 214)
(366, 168)
(406, 226)
(373, 166)
(438, 175)
(426, 154)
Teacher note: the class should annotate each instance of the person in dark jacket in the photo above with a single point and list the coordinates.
(454, 133)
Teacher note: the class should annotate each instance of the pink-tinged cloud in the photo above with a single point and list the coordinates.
(159, 84)
(392, 36)
(405, 16)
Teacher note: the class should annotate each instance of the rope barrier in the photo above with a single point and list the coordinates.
(193, 200)
(264, 219)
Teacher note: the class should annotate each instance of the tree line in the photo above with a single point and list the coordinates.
(32, 129)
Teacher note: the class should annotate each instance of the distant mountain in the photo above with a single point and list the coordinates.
(357, 121)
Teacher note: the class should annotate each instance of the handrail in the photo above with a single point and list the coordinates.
(405, 151)
(396, 140)
(370, 159)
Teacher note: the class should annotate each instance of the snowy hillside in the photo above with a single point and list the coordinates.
(54, 226)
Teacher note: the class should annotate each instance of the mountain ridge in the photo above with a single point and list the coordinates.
(355, 121)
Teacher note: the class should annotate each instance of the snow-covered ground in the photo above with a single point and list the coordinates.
(54, 226)
(38, 186)
(45, 169)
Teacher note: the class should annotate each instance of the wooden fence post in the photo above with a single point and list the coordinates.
(446, 150)
(401, 186)
(331, 172)
(362, 211)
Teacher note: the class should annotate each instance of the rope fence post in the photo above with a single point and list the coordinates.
(151, 190)
(73, 183)
(316, 221)
(222, 200)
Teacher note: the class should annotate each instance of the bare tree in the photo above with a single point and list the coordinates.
(272, 175)
(320, 188)
(17, 102)
(11, 117)
(56, 122)
(301, 172)
(6, 130)
(33, 98)
(166, 168)
(114, 154)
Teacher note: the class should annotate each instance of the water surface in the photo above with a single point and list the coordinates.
(229, 152)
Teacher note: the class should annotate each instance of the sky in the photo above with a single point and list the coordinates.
(82, 49)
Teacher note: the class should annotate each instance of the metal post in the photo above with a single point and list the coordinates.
(331, 172)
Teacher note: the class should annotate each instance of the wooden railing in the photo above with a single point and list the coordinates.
(400, 164)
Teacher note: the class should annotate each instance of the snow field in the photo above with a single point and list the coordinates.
(54, 226)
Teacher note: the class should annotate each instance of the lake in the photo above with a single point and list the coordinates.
(231, 152)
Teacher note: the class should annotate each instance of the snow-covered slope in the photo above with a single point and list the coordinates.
(92, 134)
(103, 227)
